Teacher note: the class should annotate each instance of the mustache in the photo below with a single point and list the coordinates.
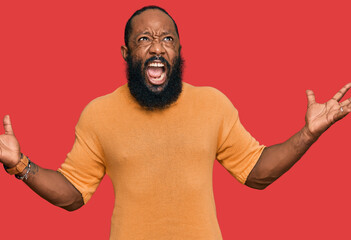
(154, 58)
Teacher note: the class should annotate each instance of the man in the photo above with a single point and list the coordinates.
(157, 139)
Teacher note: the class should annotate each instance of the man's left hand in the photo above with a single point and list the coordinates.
(320, 116)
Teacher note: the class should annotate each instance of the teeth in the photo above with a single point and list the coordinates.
(156, 65)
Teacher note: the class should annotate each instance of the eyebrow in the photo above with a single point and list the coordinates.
(166, 33)
(162, 34)
(146, 33)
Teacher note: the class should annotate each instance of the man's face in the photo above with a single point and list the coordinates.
(153, 55)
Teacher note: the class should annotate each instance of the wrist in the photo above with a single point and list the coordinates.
(19, 167)
(308, 136)
(25, 173)
(11, 165)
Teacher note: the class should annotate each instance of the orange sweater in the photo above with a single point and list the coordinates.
(160, 162)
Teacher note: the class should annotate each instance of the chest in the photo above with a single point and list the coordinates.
(160, 144)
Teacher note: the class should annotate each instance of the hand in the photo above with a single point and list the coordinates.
(10, 152)
(319, 117)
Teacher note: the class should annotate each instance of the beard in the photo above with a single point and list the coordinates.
(147, 96)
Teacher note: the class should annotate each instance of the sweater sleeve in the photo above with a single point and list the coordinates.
(84, 166)
(237, 150)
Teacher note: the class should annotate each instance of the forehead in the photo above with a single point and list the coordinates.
(152, 20)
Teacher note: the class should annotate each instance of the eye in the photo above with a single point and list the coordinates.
(168, 39)
(143, 39)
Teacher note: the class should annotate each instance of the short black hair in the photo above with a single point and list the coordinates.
(128, 27)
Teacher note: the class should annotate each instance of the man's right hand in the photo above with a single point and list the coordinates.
(49, 184)
(10, 153)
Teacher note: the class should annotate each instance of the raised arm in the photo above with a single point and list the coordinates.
(277, 159)
(49, 184)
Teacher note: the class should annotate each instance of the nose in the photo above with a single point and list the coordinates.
(156, 48)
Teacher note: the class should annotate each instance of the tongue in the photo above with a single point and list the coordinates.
(154, 72)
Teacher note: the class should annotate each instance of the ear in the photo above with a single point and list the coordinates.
(124, 51)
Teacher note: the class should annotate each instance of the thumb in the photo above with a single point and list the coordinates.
(311, 99)
(7, 125)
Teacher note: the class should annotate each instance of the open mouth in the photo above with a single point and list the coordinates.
(156, 73)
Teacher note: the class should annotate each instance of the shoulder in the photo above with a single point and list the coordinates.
(97, 109)
(105, 102)
(204, 91)
(210, 97)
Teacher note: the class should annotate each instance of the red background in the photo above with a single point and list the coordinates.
(57, 56)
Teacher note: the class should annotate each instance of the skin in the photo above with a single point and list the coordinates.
(153, 33)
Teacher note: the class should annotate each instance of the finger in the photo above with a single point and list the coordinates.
(346, 102)
(342, 112)
(7, 125)
(311, 99)
(338, 96)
